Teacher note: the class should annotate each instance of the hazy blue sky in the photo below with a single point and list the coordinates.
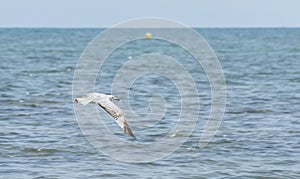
(197, 13)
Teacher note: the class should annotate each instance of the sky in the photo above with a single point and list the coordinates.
(195, 13)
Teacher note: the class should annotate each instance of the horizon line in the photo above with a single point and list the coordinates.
(92, 27)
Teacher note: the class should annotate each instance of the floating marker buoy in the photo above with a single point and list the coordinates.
(148, 36)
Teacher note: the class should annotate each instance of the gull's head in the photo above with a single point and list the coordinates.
(111, 97)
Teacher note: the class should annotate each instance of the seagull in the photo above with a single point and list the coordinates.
(105, 102)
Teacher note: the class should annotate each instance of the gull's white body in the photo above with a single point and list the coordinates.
(105, 102)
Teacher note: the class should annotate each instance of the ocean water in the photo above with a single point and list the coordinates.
(259, 136)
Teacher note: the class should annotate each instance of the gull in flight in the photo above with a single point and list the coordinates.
(105, 102)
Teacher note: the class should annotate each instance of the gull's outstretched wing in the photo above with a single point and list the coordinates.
(116, 113)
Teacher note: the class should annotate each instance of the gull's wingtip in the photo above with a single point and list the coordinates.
(128, 131)
(132, 136)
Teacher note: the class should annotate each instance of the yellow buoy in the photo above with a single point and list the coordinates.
(148, 36)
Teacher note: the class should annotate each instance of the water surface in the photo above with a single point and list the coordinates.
(259, 137)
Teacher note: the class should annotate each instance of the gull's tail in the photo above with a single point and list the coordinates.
(83, 101)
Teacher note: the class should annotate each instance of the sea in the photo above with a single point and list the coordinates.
(259, 136)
